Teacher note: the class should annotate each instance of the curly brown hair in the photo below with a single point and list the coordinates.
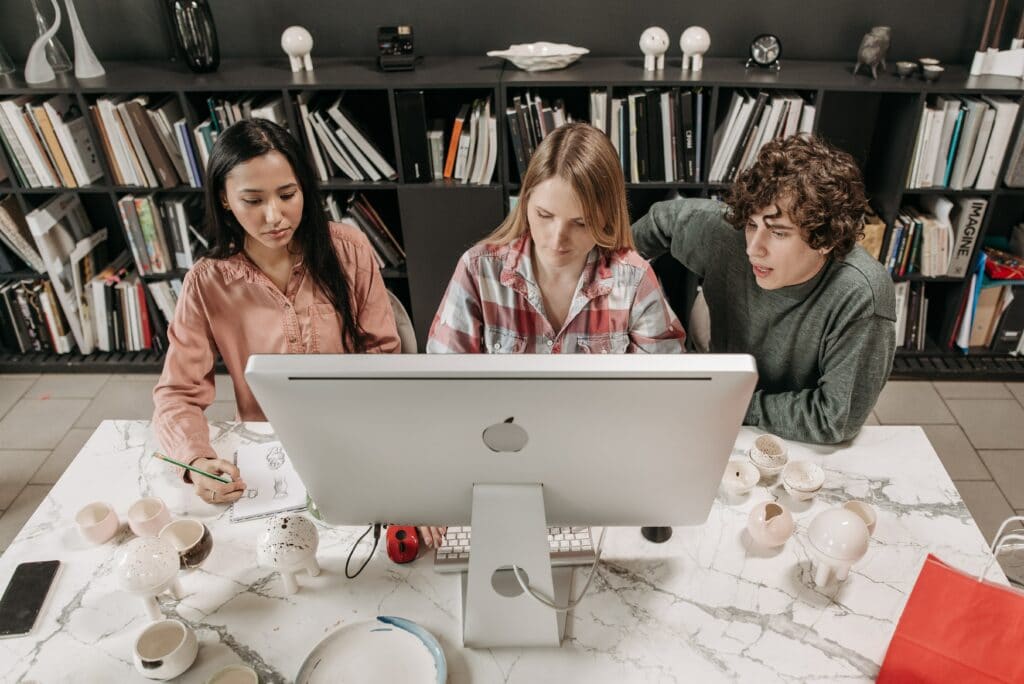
(821, 184)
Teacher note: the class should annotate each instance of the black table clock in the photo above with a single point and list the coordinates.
(765, 51)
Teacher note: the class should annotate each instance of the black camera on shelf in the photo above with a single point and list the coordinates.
(394, 47)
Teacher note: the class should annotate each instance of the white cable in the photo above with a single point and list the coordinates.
(574, 602)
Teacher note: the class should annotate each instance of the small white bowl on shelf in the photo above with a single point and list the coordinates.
(541, 56)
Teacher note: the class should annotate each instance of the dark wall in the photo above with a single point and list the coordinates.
(810, 29)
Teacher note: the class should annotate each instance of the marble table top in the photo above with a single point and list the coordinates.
(705, 606)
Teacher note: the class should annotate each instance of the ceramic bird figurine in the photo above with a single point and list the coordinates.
(873, 47)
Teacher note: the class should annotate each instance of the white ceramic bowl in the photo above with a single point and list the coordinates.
(802, 479)
(147, 565)
(541, 56)
(165, 649)
(839, 534)
(770, 524)
(740, 477)
(97, 522)
(770, 454)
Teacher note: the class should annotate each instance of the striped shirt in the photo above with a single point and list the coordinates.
(493, 304)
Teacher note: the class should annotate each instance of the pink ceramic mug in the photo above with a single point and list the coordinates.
(148, 516)
(97, 522)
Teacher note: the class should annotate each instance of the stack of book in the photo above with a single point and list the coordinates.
(751, 121)
(129, 315)
(31, 319)
(358, 211)
(225, 111)
(146, 141)
(936, 240)
(991, 314)
(961, 142)
(47, 142)
(472, 146)
(530, 118)
(162, 233)
(338, 145)
(657, 134)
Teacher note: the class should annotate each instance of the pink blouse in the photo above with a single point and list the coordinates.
(231, 308)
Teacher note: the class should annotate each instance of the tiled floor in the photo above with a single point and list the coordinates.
(976, 428)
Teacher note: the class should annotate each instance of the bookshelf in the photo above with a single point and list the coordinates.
(875, 120)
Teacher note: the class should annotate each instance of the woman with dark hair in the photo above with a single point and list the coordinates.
(785, 281)
(278, 278)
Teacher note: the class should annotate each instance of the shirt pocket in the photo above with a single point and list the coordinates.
(503, 341)
(603, 343)
(325, 329)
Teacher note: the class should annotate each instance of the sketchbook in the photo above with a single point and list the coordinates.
(272, 485)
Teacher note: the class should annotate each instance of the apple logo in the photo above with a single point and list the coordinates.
(505, 436)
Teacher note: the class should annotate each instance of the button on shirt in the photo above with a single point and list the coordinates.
(494, 305)
(231, 308)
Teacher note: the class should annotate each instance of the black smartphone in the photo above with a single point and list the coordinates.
(25, 595)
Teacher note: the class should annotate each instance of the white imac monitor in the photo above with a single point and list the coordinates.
(510, 442)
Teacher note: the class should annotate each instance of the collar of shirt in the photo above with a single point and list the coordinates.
(240, 266)
(596, 280)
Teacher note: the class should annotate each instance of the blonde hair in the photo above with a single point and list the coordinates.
(583, 157)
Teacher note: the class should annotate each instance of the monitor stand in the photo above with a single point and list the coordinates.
(509, 526)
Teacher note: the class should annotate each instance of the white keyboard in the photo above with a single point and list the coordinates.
(569, 546)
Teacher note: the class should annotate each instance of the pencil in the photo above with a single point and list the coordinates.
(218, 478)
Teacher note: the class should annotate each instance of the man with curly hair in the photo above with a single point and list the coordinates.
(785, 281)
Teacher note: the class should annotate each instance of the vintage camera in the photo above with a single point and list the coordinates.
(394, 47)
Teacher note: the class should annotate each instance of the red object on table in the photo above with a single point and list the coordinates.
(955, 628)
(402, 542)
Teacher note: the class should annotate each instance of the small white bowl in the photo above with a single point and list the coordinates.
(740, 477)
(802, 479)
(770, 454)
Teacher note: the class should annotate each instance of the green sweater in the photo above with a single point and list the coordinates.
(824, 348)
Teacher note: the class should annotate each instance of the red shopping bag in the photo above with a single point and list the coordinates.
(957, 628)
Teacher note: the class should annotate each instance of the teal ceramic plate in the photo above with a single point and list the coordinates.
(388, 649)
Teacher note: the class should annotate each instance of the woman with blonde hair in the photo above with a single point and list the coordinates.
(560, 274)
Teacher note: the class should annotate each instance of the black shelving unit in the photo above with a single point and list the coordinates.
(875, 120)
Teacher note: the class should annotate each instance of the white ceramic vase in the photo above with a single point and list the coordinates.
(86, 64)
(288, 544)
(37, 69)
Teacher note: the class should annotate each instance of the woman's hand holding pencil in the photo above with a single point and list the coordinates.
(208, 478)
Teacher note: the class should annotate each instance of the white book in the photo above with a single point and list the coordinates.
(99, 313)
(271, 110)
(599, 109)
(482, 144)
(352, 151)
(1006, 114)
(614, 125)
(721, 133)
(470, 150)
(968, 135)
(634, 168)
(20, 154)
(901, 289)
(775, 111)
(492, 150)
(980, 146)
(807, 113)
(760, 137)
(139, 156)
(118, 143)
(204, 153)
(26, 139)
(794, 116)
(435, 141)
(334, 149)
(963, 337)
(915, 163)
(314, 149)
(668, 150)
(931, 147)
(74, 138)
(950, 107)
(732, 140)
(359, 139)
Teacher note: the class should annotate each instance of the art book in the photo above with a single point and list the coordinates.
(273, 486)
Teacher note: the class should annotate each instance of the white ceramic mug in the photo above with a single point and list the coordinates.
(165, 649)
(234, 674)
(97, 522)
(148, 516)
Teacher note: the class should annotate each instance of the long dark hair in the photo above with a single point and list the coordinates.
(252, 138)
